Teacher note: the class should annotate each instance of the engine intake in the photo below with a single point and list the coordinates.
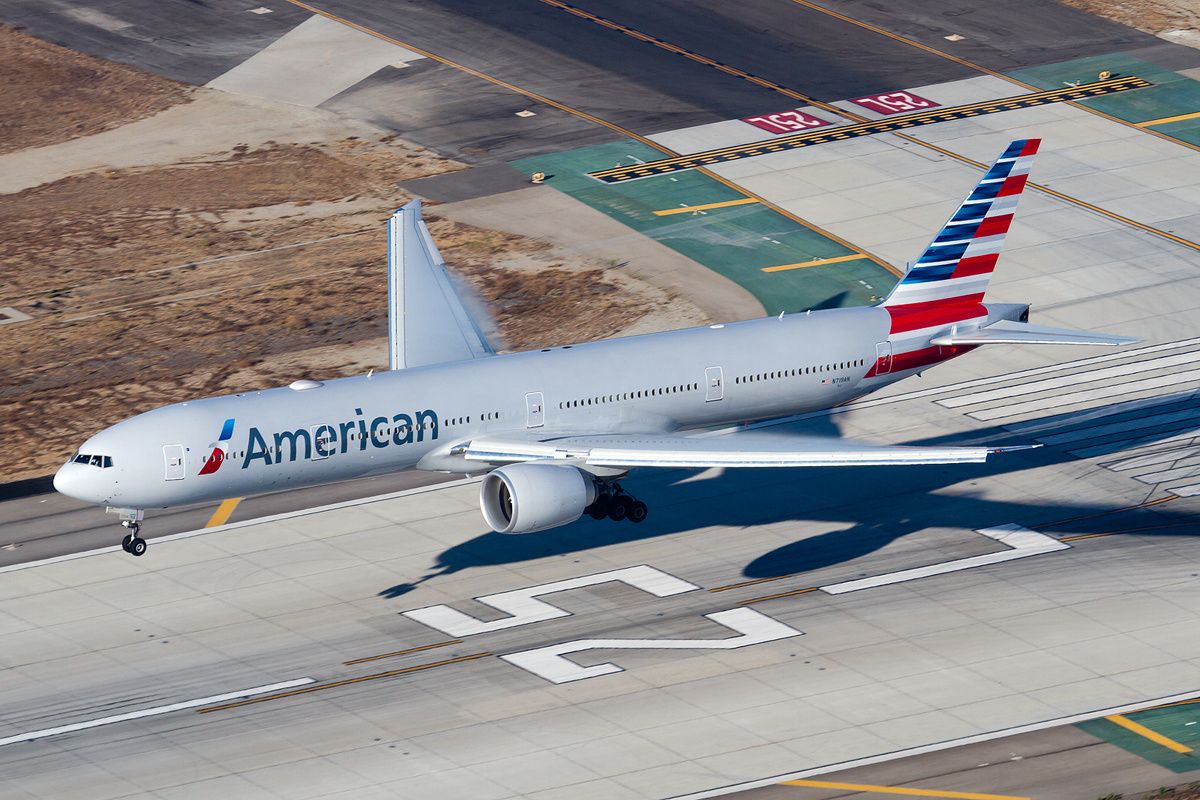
(523, 498)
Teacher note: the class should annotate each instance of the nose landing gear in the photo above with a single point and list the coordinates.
(132, 543)
(615, 503)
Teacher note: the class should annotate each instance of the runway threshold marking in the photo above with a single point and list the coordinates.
(223, 512)
(1142, 730)
(865, 127)
(1165, 120)
(409, 651)
(972, 65)
(612, 126)
(149, 712)
(866, 787)
(319, 687)
(666, 212)
(816, 262)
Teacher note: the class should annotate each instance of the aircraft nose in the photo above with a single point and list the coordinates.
(73, 480)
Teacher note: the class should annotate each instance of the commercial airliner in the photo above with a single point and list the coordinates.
(559, 427)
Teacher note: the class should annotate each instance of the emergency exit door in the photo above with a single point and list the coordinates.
(714, 384)
(535, 410)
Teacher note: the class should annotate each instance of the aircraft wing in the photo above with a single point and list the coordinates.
(427, 320)
(741, 449)
(1009, 332)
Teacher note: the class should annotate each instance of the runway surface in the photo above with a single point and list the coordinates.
(862, 627)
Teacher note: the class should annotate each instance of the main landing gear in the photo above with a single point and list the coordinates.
(616, 504)
(132, 543)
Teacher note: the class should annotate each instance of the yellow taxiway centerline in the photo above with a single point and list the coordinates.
(1165, 120)
(666, 212)
(1143, 731)
(865, 787)
(221, 515)
(816, 262)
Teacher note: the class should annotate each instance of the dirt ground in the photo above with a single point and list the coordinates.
(235, 270)
(80, 95)
(1178, 20)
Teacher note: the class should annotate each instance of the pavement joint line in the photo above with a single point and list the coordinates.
(874, 789)
(1126, 531)
(937, 747)
(1165, 120)
(302, 512)
(317, 687)
(150, 712)
(979, 67)
(612, 126)
(1123, 509)
(1152, 735)
(409, 651)
(223, 512)
(816, 262)
(666, 212)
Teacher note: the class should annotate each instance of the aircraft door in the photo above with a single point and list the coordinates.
(714, 384)
(883, 358)
(176, 469)
(322, 441)
(535, 410)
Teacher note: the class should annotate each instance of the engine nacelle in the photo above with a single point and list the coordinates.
(523, 498)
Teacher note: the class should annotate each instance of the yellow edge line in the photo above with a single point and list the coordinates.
(317, 687)
(221, 515)
(816, 262)
(864, 787)
(1165, 120)
(686, 209)
(1154, 736)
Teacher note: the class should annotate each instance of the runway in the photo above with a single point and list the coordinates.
(962, 632)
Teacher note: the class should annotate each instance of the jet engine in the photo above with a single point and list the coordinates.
(523, 498)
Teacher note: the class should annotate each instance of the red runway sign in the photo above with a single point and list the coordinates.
(894, 102)
(786, 121)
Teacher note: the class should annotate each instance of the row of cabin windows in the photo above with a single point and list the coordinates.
(617, 398)
(791, 373)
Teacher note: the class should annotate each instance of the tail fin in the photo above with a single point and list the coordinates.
(947, 282)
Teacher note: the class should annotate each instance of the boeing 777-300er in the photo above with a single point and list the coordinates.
(559, 427)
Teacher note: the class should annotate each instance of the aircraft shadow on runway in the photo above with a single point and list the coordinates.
(876, 505)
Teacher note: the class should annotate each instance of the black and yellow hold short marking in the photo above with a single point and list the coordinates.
(796, 141)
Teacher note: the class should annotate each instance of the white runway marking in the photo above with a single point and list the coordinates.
(1022, 541)
(29, 736)
(1074, 379)
(549, 663)
(525, 609)
(1101, 393)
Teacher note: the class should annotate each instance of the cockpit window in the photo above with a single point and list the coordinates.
(96, 461)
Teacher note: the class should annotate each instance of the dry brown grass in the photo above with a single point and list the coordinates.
(50, 94)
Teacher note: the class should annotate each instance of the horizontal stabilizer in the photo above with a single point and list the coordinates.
(1009, 332)
(747, 449)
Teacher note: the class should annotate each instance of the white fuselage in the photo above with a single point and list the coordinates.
(351, 427)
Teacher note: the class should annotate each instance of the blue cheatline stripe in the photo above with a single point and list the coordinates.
(227, 430)
(986, 191)
(958, 232)
(942, 253)
(974, 211)
(1014, 148)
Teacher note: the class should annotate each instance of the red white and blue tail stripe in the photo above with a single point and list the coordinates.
(946, 284)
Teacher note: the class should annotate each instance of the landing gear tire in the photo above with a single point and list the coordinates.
(136, 546)
(618, 509)
(125, 542)
(599, 508)
(637, 511)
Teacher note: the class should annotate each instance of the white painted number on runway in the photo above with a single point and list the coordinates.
(525, 609)
(549, 662)
(893, 102)
(786, 121)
